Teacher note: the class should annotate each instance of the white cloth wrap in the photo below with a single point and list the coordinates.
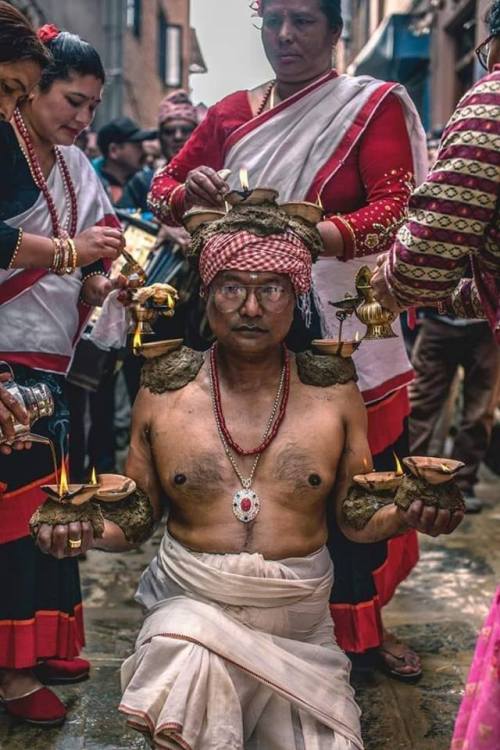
(111, 327)
(238, 652)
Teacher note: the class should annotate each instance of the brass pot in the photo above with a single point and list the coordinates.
(370, 312)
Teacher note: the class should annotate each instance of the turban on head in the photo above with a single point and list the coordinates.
(243, 251)
(177, 105)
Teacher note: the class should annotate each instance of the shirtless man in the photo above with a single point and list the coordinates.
(238, 649)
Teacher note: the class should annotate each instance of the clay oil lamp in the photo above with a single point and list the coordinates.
(248, 196)
(431, 481)
(311, 213)
(197, 216)
(337, 347)
(70, 494)
(381, 481)
(154, 348)
(114, 487)
(433, 470)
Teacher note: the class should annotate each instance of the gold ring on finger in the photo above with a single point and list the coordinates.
(75, 543)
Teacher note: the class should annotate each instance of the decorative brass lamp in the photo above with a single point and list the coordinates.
(370, 312)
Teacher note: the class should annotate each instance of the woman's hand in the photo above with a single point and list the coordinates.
(68, 540)
(204, 187)
(333, 242)
(96, 243)
(95, 289)
(381, 290)
(11, 411)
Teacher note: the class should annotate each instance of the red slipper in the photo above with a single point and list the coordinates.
(42, 707)
(62, 671)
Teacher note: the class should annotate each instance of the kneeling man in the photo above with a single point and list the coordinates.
(249, 448)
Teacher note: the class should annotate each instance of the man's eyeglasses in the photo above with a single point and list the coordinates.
(483, 51)
(230, 296)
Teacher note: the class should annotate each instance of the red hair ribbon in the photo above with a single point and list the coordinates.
(48, 32)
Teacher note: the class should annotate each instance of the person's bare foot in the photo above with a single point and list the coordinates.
(399, 660)
(16, 683)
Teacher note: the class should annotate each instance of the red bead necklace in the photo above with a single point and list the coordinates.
(41, 183)
(272, 432)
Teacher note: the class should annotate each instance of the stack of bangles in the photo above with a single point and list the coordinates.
(65, 256)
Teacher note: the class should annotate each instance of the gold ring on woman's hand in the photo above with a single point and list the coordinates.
(75, 543)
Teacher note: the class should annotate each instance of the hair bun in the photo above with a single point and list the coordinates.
(48, 32)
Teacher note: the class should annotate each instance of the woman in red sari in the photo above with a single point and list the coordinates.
(356, 145)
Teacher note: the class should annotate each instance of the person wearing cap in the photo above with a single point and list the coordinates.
(120, 142)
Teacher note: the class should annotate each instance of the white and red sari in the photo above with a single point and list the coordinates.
(41, 319)
(356, 145)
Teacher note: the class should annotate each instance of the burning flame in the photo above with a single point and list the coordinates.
(63, 482)
(399, 468)
(366, 465)
(445, 469)
(244, 179)
(320, 202)
(356, 337)
(137, 340)
(93, 478)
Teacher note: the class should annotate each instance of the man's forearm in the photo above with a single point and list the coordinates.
(384, 524)
(113, 539)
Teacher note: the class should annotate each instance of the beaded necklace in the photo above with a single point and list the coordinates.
(280, 404)
(246, 502)
(31, 157)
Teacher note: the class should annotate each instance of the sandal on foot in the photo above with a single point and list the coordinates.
(62, 671)
(392, 671)
(40, 707)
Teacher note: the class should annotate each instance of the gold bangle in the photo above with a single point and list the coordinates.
(16, 249)
(74, 254)
(349, 228)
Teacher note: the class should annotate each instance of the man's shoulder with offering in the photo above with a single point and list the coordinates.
(325, 370)
(172, 371)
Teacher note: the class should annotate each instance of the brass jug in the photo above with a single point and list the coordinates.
(370, 312)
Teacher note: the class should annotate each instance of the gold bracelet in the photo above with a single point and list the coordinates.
(74, 255)
(56, 260)
(16, 249)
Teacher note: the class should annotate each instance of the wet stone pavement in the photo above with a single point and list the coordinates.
(437, 611)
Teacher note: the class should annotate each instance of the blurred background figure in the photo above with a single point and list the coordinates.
(121, 145)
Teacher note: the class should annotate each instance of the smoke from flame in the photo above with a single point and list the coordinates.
(244, 179)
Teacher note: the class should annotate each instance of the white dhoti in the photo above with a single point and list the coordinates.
(238, 653)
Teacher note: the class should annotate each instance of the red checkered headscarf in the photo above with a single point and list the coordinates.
(244, 251)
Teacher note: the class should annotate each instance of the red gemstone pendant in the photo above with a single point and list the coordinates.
(246, 505)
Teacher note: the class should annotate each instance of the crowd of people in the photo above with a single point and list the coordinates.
(262, 592)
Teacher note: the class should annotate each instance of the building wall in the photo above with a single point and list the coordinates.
(134, 86)
(143, 87)
(453, 66)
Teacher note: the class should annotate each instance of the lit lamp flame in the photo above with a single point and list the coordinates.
(366, 465)
(399, 468)
(446, 469)
(63, 482)
(137, 340)
(356, 337)
(319, 202)
(93, 478)
(244, 179)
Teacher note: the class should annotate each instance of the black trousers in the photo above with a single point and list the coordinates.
(440, 349)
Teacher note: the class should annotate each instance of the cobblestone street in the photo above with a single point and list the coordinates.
(438, 612)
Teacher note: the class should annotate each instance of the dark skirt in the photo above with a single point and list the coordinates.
(366, 575)
(40, 597)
